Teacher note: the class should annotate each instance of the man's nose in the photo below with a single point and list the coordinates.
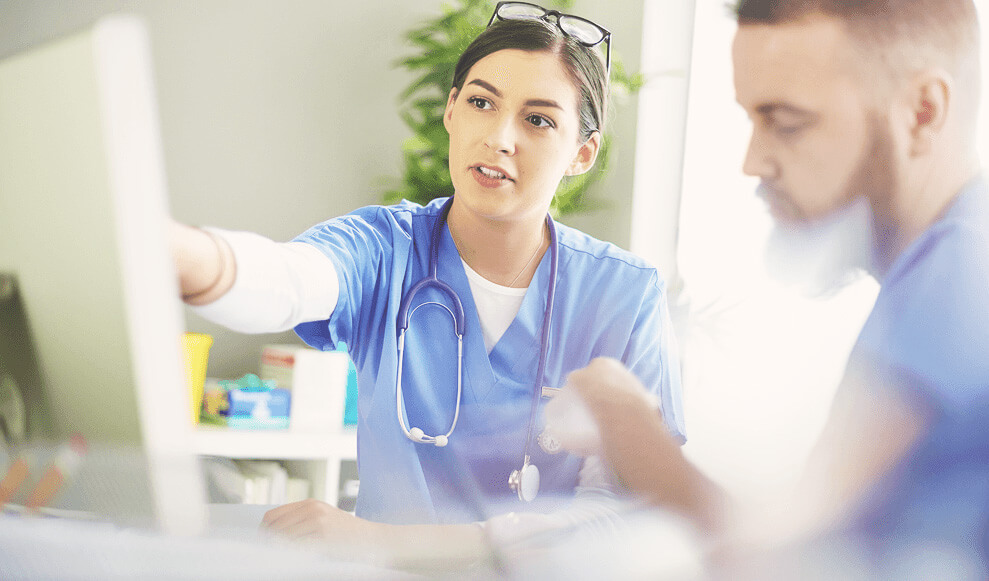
(758, 162)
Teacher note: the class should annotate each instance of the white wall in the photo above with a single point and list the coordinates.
(278, 114)
(662, 118)
(274, 115)
(611, 221)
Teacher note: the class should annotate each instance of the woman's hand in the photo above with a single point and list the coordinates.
(344, 536)
(315, 523)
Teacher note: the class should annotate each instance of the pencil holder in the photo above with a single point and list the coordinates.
(195, 347)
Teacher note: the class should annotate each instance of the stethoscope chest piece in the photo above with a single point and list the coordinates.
(525, 481)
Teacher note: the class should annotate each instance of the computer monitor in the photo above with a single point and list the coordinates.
(92, 332)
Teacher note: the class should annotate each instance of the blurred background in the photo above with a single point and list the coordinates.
(278, 115)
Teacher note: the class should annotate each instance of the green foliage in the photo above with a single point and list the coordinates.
(437, 45)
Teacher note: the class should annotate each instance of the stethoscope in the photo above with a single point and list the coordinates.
(525, 480)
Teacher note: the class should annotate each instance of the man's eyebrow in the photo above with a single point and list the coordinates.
(531, 102)
(769, 109)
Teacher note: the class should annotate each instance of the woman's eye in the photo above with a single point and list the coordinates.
(479, 102)
(539, 121)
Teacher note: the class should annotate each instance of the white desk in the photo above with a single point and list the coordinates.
(40, 549)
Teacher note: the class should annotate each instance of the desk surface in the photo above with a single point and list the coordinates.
(45, 548)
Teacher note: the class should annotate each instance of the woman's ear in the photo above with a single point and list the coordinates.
(585, 156)
(448, 113)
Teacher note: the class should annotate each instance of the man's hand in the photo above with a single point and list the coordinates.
(629, 420)
(605, 387)
(609, 388)
(642, 451)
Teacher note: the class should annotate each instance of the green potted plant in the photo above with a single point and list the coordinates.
(438, 44)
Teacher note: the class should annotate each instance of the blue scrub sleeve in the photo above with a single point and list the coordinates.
(653, 355)
(363, 247)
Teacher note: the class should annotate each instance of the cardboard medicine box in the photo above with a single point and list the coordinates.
(317, 381)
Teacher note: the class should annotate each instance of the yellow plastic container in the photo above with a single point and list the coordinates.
(195, 348)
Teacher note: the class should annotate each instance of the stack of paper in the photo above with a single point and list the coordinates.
(267, 482)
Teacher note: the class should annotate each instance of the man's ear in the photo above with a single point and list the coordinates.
(448, 113)
(926, 107)
(583, 160)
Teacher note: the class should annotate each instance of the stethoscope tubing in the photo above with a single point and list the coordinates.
(544, 340)
(457, 314)
(459, 325)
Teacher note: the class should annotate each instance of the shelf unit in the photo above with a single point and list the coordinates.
(315, 456)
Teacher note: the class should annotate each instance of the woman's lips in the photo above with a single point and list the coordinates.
(490, 177)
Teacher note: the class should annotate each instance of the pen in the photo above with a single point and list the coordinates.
(13, 480)
(59, 472)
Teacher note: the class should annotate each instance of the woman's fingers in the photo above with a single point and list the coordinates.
(312, 519)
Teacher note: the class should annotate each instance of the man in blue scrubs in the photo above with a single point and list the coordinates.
(870, 103)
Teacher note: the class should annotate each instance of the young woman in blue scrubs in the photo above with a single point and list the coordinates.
(526, 109)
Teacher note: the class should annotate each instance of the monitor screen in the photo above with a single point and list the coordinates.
(91, 321)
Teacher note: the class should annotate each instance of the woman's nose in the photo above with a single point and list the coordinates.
(502, 136)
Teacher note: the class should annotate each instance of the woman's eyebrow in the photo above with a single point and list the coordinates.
(543, 103)
(486, 85)
(531, 102)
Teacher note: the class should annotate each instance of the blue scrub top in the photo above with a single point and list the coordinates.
(608, 303)
(928, 337)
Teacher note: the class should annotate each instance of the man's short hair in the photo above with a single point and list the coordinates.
(906, 35)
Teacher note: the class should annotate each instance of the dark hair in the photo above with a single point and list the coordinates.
(882, 26)
(584, 67)
(898, 37)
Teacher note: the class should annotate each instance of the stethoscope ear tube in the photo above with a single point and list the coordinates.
(524, 481)
(405, 317)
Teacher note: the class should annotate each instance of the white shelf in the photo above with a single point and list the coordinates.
(274, 444)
